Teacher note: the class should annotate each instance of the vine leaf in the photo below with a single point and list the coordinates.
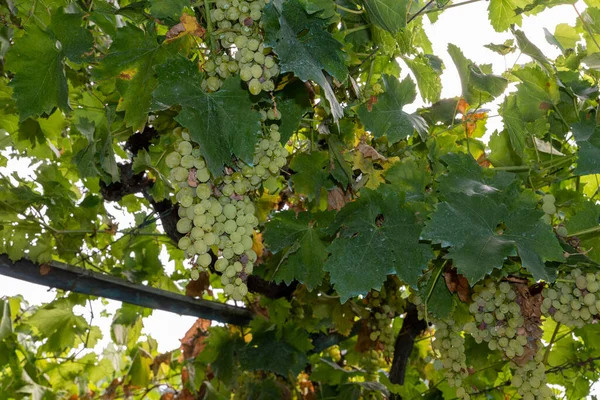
(292, 102)
(488, 223)
(304, 47)
(37, 60)
(587, 136)
(479, 85)
(306, 252)
(311, 176)
(428, 78)
(502, 14)
(131, 58)
(387, 118)
(378, 237)
(536, 93)
(387, 14)
(222, 122)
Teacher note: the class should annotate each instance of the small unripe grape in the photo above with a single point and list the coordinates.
(549, 208)
(254, 86)
(194, 274)
(184, 243)
(173, 159)
(184, 148)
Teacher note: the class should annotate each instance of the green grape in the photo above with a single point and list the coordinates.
(548, 198)
(562, 231)
(187, 161)
(173, 159)
(549, 208)
(184, 148)
(184, 243)
(179, 174)
(203, 191)
(194, 274)
(204, 260)
(213, 83)
(200, 247)
(255, 86)
(256, 71)
(215, 209)
(184, 225)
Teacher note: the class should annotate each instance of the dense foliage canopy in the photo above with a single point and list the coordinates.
(264, 147)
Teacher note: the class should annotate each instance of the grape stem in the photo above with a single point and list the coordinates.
(585, 231)
(349, 10)
(357, 29)
(437, 276)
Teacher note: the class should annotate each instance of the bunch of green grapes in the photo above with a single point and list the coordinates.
(530, 379)
(498, 319)
(269, 157)
(573, 301)
(384, 306)
(449, 344)
(548, 207)
(215, 216)
(380, 321)
(239, 25)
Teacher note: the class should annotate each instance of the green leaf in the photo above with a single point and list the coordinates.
(531, 49)
(411, 177)
(478, 87)
(503, 49)
(502, 14)
(258, 354)
(584, 219)
(537, 93)
(515, 126)
(37, 60)
(75, 41)
(6, 326)
(57, 322)
(222, 122)
(387, 14)
(386, 117)
(40, 83)
(378, 237)
(587, 136)
(428, 79)
(484, 227)
(305, 47)
(139, 372)
(306, 252)
(292, 102)
(132, 57)
(220, 351)
(311, 173)
(168, 9)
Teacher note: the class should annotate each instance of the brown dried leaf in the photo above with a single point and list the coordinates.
(164, 358)
(167, 396)
(457, 284)
(483, 161)
(369, 152)
(192, 343)
(45, 269)
(188, 26)
(462, 106)
(364, 342)
(336, 199)
(198, 287)
(111, 390)
(530, 301)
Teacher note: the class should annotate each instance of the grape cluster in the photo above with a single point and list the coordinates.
(574, 301)
(450, 345)
(239, 25)
(530, 379)
(214, 215)
(498, 319)
(269, 157)
(384, 305)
